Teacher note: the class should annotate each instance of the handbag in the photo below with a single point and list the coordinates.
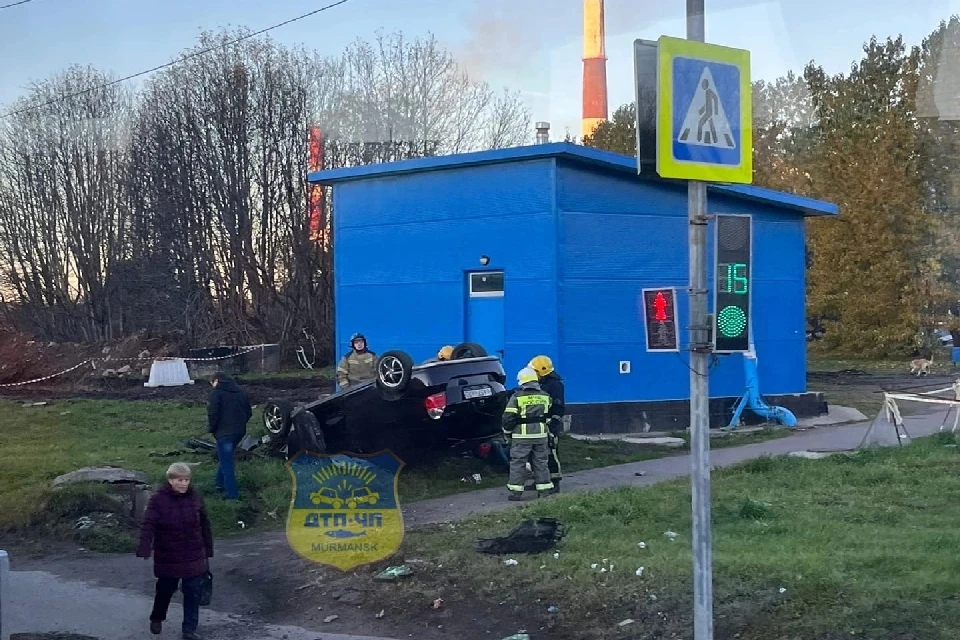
(206, 589)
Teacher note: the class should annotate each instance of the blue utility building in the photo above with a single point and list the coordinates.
(545, 249)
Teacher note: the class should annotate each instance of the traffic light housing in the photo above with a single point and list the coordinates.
(733, 282)
(660, 319)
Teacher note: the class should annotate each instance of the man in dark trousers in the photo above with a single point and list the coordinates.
(552, 384)
(525, 424)
(228, 412)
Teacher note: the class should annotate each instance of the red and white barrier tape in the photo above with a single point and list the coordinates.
(49, 377)
(93, 362)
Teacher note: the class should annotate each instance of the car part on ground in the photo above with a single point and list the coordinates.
(529, 536)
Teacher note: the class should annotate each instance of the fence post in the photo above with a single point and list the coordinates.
(4, 593)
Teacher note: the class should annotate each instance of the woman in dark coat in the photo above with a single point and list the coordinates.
(176, 527)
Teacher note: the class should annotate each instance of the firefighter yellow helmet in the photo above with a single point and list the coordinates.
(445, 353)
(526, 376)
(542, 365)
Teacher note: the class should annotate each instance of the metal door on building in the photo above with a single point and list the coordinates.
(485, 317)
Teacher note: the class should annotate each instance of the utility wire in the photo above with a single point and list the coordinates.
(14, 4)
(168, 64)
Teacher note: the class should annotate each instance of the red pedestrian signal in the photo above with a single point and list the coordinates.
(660, 307)
(660, 319)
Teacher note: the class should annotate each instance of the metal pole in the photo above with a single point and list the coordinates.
(4, 592)
(699, 384)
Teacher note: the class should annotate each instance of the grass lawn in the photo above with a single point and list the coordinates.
(861, 546)
(40, 443)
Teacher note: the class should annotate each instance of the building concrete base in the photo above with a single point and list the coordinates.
(674, 415)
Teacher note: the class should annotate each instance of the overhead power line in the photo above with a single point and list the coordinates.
(182, 58)
(14, 4)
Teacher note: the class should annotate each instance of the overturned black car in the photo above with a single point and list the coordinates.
(412, 410)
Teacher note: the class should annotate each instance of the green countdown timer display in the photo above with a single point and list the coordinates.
(732, 287)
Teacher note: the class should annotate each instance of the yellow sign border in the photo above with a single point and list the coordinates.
(396, 492)
(669, 48)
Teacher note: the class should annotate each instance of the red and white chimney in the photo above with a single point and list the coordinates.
(594, 67)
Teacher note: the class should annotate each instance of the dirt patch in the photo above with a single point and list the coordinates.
(23, 359)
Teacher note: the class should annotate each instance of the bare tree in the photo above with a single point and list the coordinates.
(64, 216)
(188, 210)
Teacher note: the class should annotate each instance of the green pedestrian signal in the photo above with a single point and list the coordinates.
(733, 246)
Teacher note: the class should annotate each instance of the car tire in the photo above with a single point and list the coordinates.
(305, 435)
(394, 370)
(468, 350)
(276, 418)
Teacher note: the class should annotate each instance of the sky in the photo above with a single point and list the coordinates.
(534, 46)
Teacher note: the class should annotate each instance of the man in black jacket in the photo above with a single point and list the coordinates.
(228, 412)
(552, 384)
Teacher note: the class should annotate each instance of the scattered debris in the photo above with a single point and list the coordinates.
(530, 536)
(382, 613)
(27, 405)
(392, 573)
(84, 522)
(783, 590)
(511, 562)
(518, 636)
(553, 609)
(330, 619)
(438, 603)
(639, 474)
(639, 572)
(556, 556)
(671, 534)
(475, 479)
(627, 622)
(242, 524)
(349, 596)
(642, 545)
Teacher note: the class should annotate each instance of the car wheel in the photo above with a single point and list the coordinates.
(468, 350)
(394, 369)
(306, 435)
(351, 504)
(276, 417)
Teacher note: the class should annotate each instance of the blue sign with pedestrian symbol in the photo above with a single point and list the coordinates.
(704, 116)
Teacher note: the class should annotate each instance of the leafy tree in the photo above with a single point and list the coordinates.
(871, 275)
(619, 134)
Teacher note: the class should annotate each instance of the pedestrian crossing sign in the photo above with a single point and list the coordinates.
(704, 115)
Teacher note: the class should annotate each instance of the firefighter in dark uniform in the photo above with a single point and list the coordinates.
(525, 423)
(552, 384)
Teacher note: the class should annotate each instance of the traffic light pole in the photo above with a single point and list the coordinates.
(699, 383)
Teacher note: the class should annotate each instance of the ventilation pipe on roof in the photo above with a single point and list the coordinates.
(543, 132)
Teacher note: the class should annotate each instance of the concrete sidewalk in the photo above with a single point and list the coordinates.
(842, 437)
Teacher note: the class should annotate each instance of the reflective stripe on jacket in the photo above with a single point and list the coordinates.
(526, 414)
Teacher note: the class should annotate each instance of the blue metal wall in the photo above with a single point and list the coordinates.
(618, 235)
(402, 246)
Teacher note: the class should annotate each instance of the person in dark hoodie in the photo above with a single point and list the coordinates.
(175, 529)
(228, 412)
(552, 384)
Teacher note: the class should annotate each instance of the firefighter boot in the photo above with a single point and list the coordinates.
(515, 496)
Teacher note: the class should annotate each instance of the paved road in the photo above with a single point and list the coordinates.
(43, 603)
(58, 598)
